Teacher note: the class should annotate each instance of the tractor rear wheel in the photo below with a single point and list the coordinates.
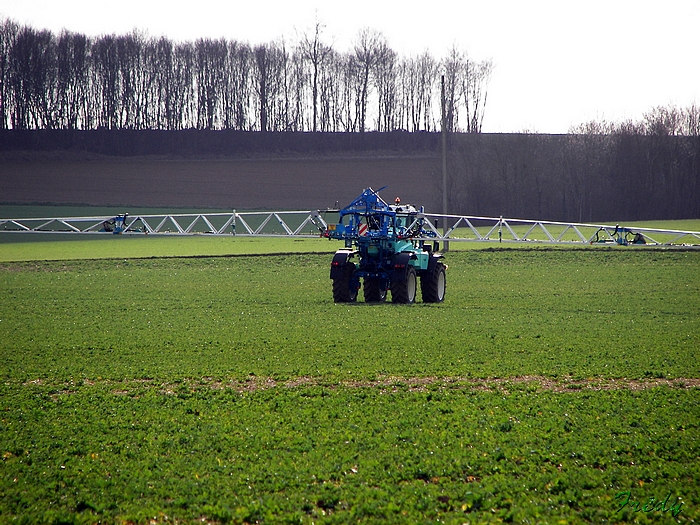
(374, 292)
(432, 285)
(405, 291)
(343, 289)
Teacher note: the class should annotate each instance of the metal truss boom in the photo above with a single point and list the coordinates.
(488, 229)
(277, 223)
(445, 228)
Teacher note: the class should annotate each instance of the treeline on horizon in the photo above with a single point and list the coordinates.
(132, 81)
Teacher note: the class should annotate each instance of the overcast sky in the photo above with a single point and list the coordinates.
(558, 63)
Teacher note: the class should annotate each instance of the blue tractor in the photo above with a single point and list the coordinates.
(387, 247)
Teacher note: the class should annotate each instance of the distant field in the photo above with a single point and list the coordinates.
(45, 247)
(588, 313)
(551, 386)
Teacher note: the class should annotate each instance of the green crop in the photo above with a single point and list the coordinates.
(233, 389)
(508, 313)
(141, 451)
(58, 246)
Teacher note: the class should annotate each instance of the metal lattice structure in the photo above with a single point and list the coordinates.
(282, 223)
(488, 229)
(305, 224)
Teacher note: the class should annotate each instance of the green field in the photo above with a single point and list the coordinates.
(552, 386)
(58, 247)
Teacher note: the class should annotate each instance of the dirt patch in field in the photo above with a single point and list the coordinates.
(242, 184)
(390, 384)
(534, 383)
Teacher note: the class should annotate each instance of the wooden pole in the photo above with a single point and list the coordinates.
(443, 131)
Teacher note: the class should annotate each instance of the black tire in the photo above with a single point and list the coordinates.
(432, 285)
(374, 292)
(404, 292)
(343, 291)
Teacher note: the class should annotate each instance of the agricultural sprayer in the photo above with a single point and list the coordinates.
(387, 248)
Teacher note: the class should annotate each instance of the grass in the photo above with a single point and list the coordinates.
(58, 247)
(233, 390)
(336, 455)
(587, 313)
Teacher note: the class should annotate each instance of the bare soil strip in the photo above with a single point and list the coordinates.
(386, 384)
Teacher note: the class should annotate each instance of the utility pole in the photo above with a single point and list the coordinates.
(446, 244)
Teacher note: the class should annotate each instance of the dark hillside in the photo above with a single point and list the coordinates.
(584, 178)
(226, 143)
(299, 183)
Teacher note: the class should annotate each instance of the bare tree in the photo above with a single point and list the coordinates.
(691, 121)
(297, 86)
(130, 56)
(107, 81)
(418, 80)
(33, 69)
(663, 121)
(211, 58)
(8, 34)
(316, 53)
(282, 85)
(73, 68)
(161, 63)
(285, 111)
(475, 79)
(21, 78)
(385, 82)
(269, 63)
(44, 81)
(333, 94)
(409, 94)
(350, 92)
(157, 71)
(466, 83)
(184, 107)
(453, 67)
(366, 51)
(236, 93)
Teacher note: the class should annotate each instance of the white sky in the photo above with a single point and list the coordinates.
(557, 63)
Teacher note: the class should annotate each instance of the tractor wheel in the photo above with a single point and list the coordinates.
(432, 285)
(343, 289)
(405, 291)
(374, 292)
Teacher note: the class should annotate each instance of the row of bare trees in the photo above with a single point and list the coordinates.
(661, 120)
(132, 81)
